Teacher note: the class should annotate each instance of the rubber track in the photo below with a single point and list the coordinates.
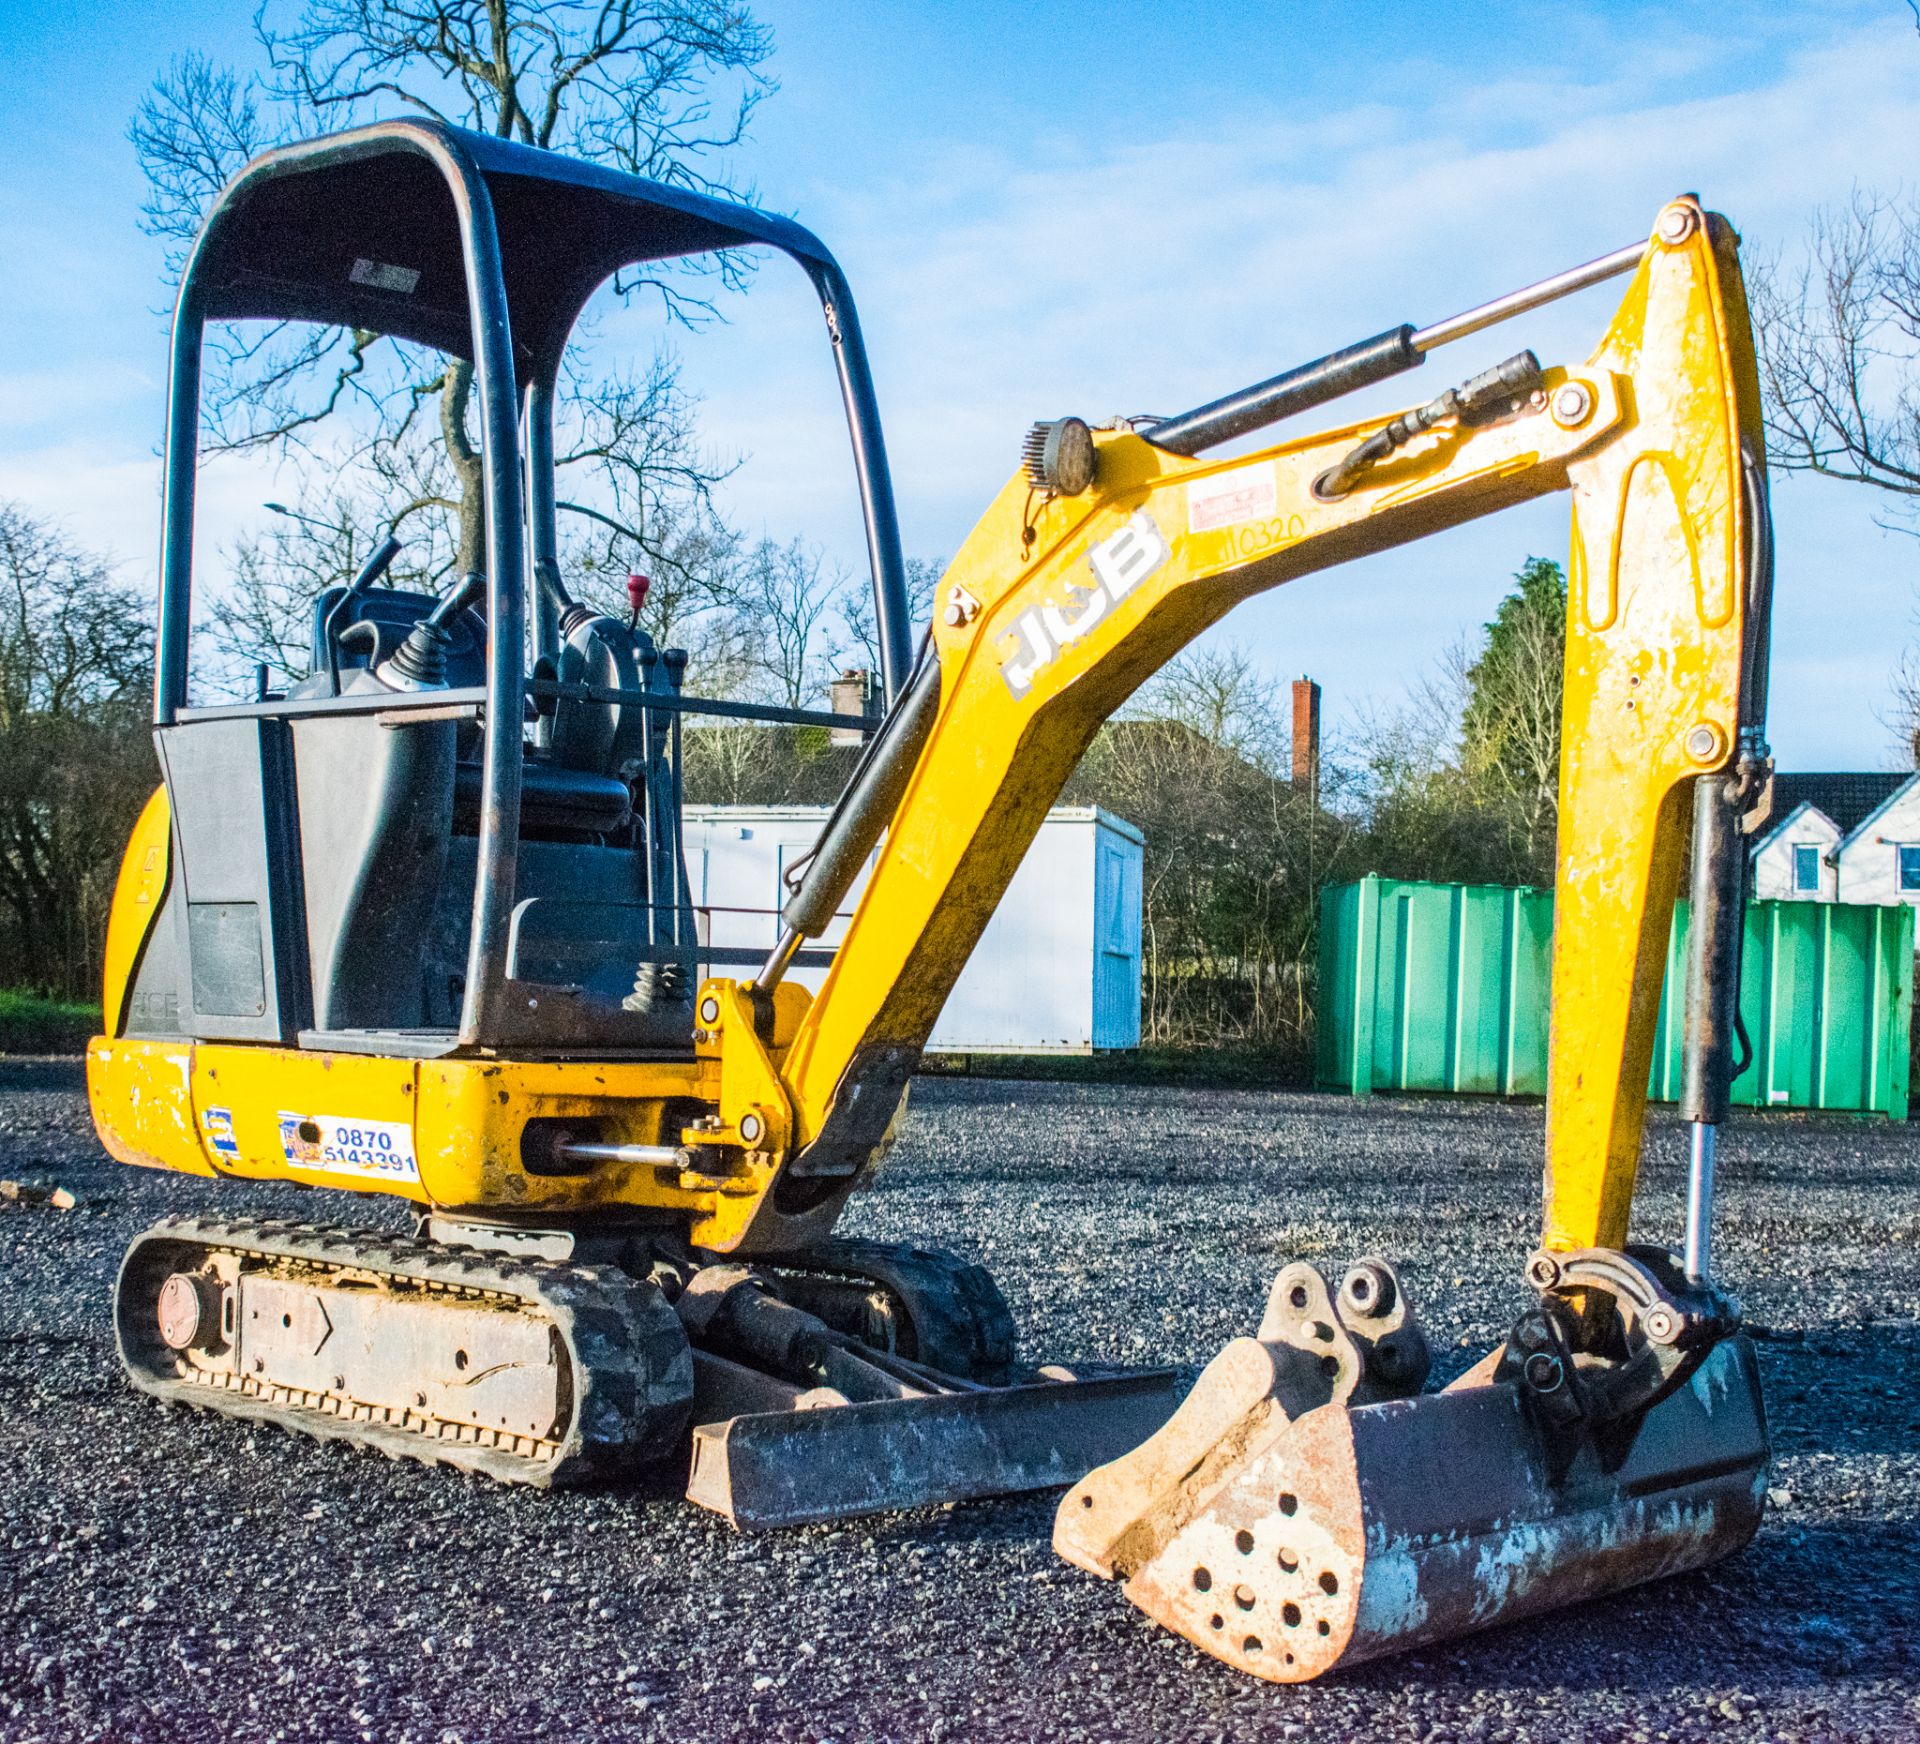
(960, 1319)
(630, 1366)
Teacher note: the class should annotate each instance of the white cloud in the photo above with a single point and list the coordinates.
(33, 399)
(109, 504)
(1148, 273)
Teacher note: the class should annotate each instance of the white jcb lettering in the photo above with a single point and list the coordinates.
(1125, 559)
(1085, 607)
(1120, 562)
(1035, 652)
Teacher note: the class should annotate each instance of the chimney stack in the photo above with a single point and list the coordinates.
(853, 693)
(1306, 736)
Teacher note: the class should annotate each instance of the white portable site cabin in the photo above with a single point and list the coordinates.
(1056, 972)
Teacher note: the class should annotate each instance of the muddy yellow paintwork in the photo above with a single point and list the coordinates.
(141, 1094)
(137, 895)
(1656, 615)
(472, 1113)
(1052, 613)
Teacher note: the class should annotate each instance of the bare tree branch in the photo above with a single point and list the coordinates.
(1839, 345)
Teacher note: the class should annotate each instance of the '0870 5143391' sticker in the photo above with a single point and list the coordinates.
(345, 1144)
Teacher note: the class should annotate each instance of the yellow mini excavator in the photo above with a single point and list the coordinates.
(420, 926)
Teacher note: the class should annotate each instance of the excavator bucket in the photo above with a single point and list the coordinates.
(1308, 1508)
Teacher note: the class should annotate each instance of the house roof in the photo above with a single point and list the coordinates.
(1903, 785)
(1847, 796)
(1781, 822)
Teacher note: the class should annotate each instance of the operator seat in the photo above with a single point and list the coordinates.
(557, 795)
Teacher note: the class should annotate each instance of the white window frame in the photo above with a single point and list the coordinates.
(1795, 851)
(1900, 851)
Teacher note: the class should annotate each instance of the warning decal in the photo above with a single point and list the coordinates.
(1227, 499)
(337, 1144)
(219, 1128)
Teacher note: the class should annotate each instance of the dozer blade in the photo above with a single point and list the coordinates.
(798, 1421)
(1288, 1540)
(788, 1468)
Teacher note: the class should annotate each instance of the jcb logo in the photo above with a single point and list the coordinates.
(1120, 562)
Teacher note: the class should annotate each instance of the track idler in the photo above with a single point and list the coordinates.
(1308, 1507)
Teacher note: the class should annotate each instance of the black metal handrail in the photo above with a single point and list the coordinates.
(475, 697)
(673, 702)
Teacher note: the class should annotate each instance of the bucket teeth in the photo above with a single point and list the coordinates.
(1292, 1517)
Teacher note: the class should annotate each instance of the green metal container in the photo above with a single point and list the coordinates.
(1444, 987)
(1434, 987)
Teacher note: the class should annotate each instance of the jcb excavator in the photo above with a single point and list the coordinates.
(420, 927)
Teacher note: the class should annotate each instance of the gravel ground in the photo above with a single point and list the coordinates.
(168, 1575)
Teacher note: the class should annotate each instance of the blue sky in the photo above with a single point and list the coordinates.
(1048, 208)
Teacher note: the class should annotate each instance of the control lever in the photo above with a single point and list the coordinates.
(420, 662)
(371, 571)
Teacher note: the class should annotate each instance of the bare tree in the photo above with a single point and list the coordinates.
(1901, 713)
(1234, 852)
(265, 614)
(75, 759)
(733, 763)
(856, 613)
(1839, 349)
(1418, 814)
(1221, 694)
(631, 83)
(786, 600)
(1839, 346)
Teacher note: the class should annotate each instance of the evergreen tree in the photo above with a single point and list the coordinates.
(1510, 727)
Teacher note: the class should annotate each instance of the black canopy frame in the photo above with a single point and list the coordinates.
(487, 250)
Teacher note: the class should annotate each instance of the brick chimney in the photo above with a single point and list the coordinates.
(1306, 736)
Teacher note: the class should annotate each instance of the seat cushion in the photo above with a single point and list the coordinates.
(551, 798)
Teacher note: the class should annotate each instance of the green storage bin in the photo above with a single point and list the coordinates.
(1434, 987)
(1444, 987)
(1826, 992)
